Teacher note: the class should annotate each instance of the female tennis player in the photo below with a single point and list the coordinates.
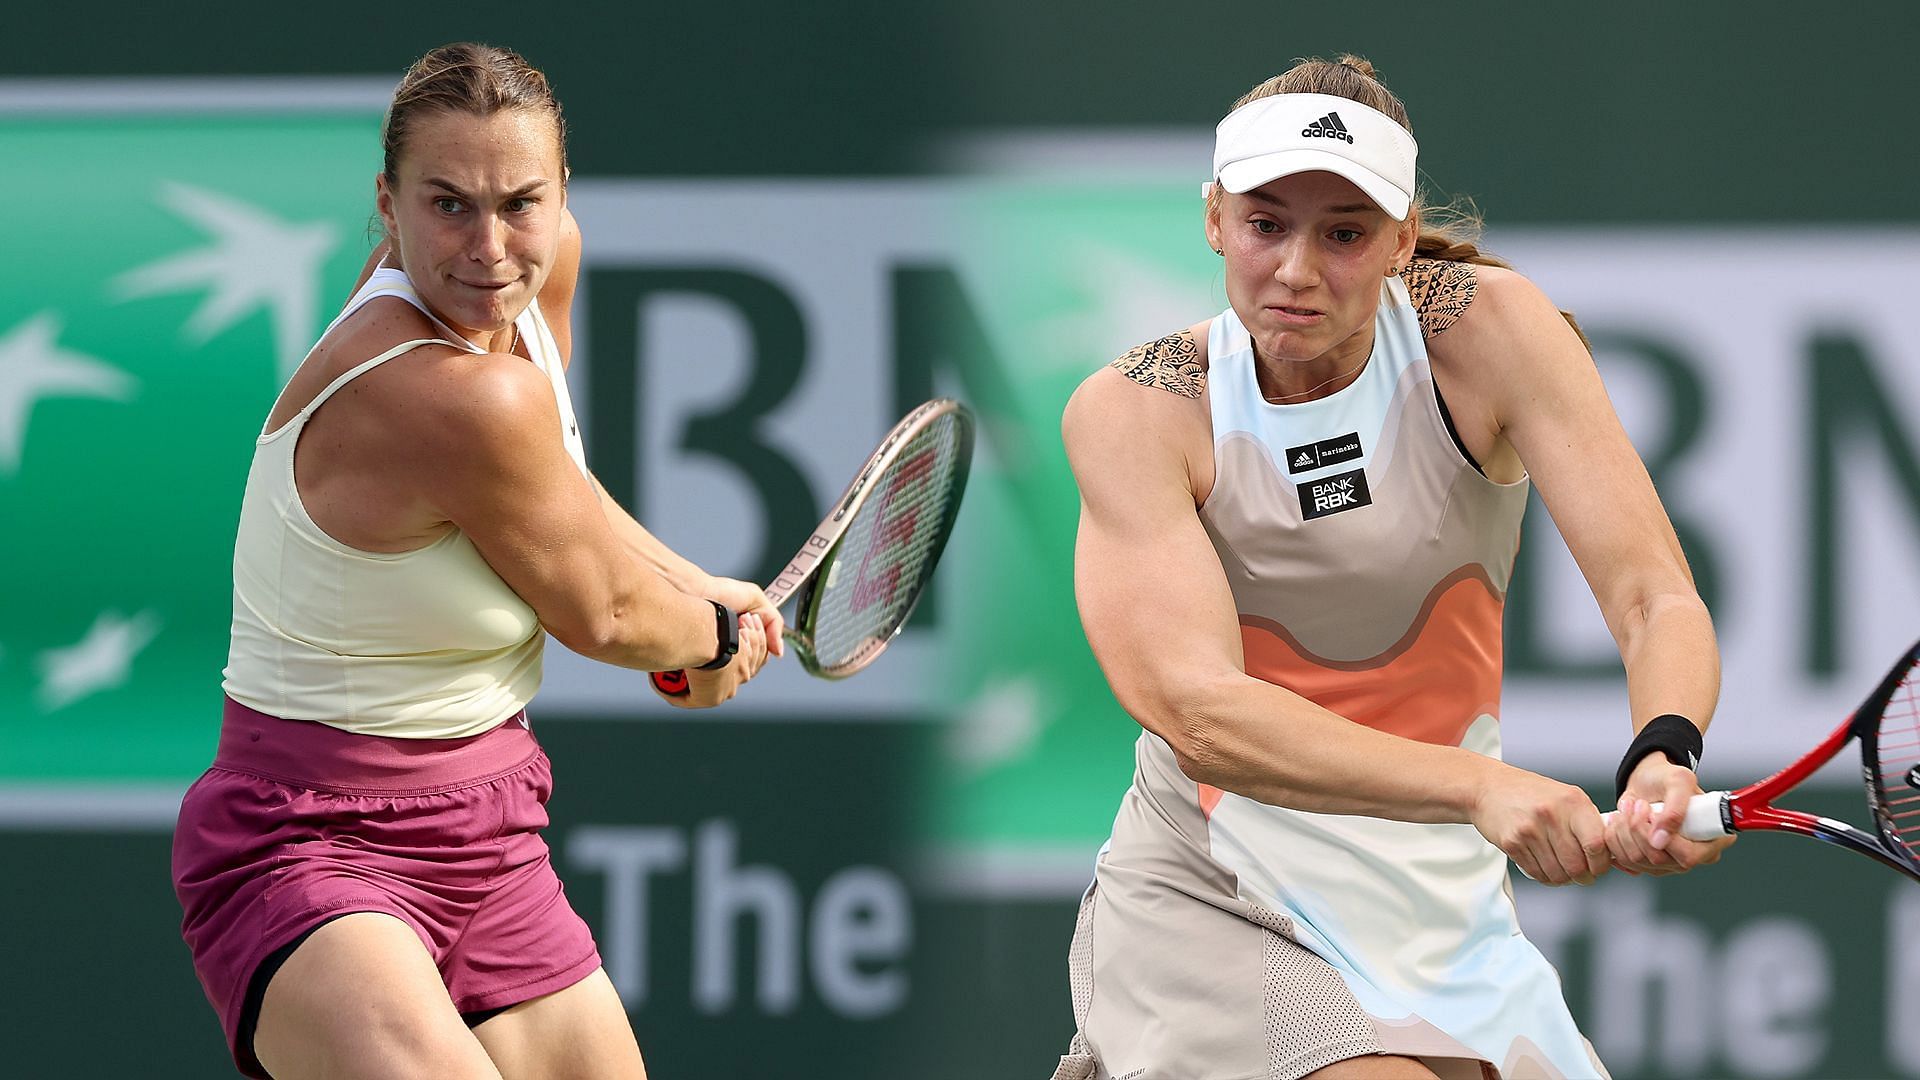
(1297, 525)
(365, 886)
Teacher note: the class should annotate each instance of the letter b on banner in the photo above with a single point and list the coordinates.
(777, 351)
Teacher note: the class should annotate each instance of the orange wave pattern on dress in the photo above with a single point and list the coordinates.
(1431, 685)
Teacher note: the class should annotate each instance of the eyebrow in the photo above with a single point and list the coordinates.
(1352, 208)
(522, 190)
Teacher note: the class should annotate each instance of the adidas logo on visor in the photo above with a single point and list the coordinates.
(1327, 127)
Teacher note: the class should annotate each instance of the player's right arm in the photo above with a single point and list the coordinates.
(485, 454)
(1162, 623)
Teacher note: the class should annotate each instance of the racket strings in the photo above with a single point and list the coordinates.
(890, 548)
(1897, 749)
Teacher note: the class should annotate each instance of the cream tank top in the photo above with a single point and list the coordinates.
(423, 644)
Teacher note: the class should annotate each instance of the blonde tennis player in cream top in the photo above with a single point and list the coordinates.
(364, 884)
(1297, 524)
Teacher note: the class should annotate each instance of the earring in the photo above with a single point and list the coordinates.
(1393, 271)
(1218, 251)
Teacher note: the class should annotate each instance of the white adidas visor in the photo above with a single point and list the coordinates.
(1284, 134)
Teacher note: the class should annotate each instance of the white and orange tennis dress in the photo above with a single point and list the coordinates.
(1227, 939)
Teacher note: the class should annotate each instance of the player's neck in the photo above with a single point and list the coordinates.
(1293, 382)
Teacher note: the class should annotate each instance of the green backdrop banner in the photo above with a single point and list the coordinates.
(182, 264)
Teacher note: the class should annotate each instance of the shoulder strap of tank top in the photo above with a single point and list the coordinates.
(1226, 338)
(387, 281)
(379, 283)
(361, 369)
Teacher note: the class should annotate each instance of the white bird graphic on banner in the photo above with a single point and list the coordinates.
(32, 367)
(999, 725)
(100, 661)
(256, 259)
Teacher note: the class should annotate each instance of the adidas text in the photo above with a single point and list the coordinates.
(1327, 127)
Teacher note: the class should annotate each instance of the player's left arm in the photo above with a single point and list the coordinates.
(1545, 396)
(683, 574)
(556, 296)
(556, 304)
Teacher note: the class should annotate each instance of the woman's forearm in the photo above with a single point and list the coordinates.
(648, 548)
(1673, 664)
(1266, 743)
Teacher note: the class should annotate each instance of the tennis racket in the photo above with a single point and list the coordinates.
(1887, 725)
(858, 577)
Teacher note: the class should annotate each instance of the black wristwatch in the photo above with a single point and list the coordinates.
(727, 630)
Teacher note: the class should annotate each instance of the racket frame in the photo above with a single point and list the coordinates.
(1751, 809)
(822, 546)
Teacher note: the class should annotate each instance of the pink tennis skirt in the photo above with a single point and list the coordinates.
(297, 823)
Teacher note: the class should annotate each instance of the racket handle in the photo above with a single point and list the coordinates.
(674, 683)
(1706, 816)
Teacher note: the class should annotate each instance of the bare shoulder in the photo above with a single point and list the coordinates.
(1158, 382)
(433, 383)
(1176, 363)
(1441, 291)
(435, 410)
(1143, 417)
(1447, 294)
(380, 324)
(468, 405)
(1508, 352)
(1466, 306)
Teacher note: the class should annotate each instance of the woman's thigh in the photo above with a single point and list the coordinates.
(1374, 1067)
(361, 998)
(579, 1033)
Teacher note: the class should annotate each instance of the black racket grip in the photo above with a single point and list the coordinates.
(670, 683)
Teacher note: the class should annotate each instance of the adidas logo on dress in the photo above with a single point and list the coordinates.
(1327, 127)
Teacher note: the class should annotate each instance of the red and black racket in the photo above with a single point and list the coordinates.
(857, 578)
(1887, 725)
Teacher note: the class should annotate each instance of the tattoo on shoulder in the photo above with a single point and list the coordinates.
(1442, 292)
(1171, 363)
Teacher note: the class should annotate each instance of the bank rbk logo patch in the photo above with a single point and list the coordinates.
(1326, 452)
(1347, 491)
